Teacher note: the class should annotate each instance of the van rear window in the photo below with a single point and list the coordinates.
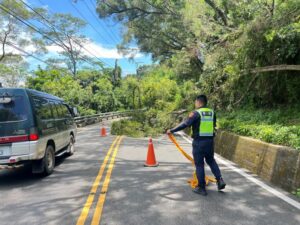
(13, 110)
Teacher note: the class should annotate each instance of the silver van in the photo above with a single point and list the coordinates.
(34, 128)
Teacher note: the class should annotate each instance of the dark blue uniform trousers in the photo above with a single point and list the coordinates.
(204, 149)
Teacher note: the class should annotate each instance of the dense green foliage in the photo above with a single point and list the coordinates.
(276, 126)
(127, 127)
(91, 91)
(159, 95)
(297, 192)
(217, 43)
(215, 47)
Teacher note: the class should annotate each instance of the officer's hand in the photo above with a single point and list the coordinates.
(169, 131)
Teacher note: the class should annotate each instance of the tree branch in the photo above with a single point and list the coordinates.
(275, 68)
(167, 7)
(6, 33)
(246, 91)
(134, 8)
(218, 11)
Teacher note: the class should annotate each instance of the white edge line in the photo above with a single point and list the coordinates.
(251, 178)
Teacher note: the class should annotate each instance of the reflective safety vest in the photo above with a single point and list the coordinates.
(206, 128)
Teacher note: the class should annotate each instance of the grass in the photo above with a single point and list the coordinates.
(134, 128)
(279, 126)
(127, 127)
(297, 192)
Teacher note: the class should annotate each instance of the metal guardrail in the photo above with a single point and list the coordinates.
(82, 121)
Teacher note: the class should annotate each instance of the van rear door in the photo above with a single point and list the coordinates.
(15, 120)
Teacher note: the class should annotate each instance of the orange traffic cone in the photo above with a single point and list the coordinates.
(103, 132)
(151, 160)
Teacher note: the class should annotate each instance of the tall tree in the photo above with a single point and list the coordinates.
(15, 32)
(65, 31)
(13, 71)
(156, 26)
(161, 28)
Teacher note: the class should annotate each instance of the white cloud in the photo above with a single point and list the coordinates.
(14, 49)
(54, 49)
(93, 49)
(90, 49)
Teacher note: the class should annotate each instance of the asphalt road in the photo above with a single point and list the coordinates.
(105, 181)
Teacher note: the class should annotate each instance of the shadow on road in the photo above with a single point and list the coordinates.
(161, 195)
(23, 176)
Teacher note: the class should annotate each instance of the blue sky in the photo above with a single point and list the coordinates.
(104, 37)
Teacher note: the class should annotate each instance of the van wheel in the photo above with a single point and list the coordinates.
(71, 147)
(49, 160)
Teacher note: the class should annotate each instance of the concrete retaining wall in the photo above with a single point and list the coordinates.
(274, 163)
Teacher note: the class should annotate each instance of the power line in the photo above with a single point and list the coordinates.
(91, 11)
(85, 19)
(93, 3)
(25, 52)
(12, 13)
(52, 27)
(109, 32)
(31, 55)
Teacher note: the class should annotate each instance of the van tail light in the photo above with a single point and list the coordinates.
(33, 137)
(4, 140)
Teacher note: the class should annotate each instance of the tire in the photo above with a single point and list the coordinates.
(71, 147)
(49, 160)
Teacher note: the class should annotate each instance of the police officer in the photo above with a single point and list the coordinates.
(203, 122)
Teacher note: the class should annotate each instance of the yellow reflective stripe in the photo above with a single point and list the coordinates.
(207, 119)
(206, 134)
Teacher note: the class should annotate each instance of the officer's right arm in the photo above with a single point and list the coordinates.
(187, 123)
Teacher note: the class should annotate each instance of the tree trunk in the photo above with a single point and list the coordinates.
(276, 68)
(218, 11)
(272, 8)
(3, 44)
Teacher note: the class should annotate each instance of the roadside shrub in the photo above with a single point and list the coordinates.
(151, 122)
(127, 127)
(277, 126)
(297, 193)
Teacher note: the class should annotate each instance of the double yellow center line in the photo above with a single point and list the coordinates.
(99, 207)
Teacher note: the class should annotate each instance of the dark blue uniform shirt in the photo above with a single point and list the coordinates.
(193, 120)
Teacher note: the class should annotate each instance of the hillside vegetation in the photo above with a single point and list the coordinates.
(244, 55)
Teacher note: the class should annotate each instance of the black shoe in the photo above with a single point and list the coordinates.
(200, 191)
(221, 184)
